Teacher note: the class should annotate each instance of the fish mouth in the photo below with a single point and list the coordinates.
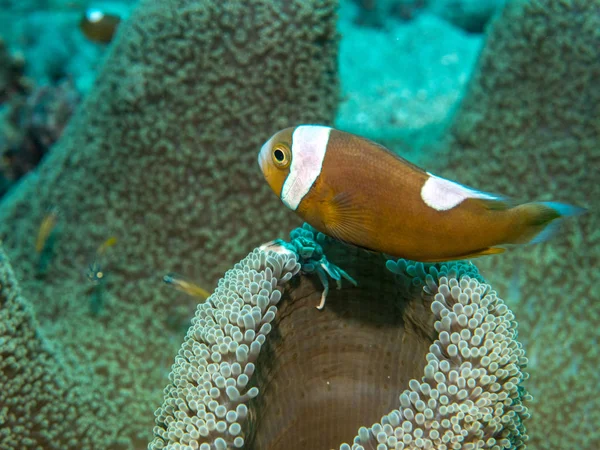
(261, 162)
(262, 157)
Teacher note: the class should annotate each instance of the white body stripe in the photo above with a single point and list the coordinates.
(442, 195)
(309, 144)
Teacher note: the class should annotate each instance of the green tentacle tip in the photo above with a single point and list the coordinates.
(306, 242)
(423, 274)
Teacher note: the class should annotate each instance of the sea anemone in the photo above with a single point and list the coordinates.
(433, 363)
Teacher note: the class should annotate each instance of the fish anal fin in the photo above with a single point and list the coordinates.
(475, 254)
(485, 252)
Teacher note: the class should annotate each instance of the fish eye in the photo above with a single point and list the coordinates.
(281, 157)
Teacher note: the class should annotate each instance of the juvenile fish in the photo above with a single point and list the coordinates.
(99, 26)
(95, 273)
(46, 228)
(102, 248)
(184, 285)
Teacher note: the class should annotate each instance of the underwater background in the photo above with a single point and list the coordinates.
(129, 133)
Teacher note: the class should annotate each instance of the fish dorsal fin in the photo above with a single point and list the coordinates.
(346, 219)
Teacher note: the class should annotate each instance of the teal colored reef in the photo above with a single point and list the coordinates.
(528, 128)
(155, 173)
(161, 155)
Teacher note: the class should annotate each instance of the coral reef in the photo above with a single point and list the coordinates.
(373, 13)
(268, 370)
(42, 404)
(162, 155)
(12, 77)
(48, 35)
(32, 116)
(403, 93)
(217, 358)
(470, 15)
(528, 128)
(30, 125)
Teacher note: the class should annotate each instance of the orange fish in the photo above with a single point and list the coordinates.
(99, 26)
(360, 192)
(46, 228)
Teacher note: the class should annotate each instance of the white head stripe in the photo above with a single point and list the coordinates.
(309, 144)
(441, 194)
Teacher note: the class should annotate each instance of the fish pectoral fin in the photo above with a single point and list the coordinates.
(346, 219)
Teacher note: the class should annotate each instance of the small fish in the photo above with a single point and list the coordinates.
(184, 285)
(99, 26)
(102, 248)
(95, 273)
(360, 192)
(46, 228)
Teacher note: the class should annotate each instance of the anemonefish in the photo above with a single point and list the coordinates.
(99, 26)
(359, 192)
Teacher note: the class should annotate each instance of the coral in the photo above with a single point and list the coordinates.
(162, 155)
(373, 13)
(30, 125)
(12, 77)
(528, 128)
(42, 404)
(384, 101)
(208, 395)
(261, 367)
(470, 15)
(31, 118)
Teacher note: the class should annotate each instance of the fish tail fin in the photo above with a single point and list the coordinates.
(539, 221)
